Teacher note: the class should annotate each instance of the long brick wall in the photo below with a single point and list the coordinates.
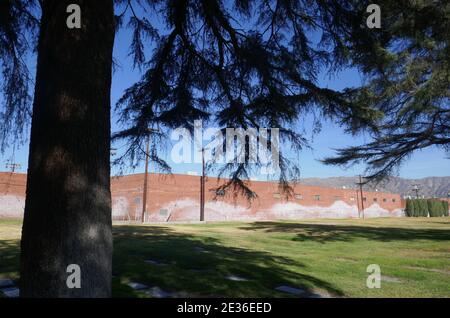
(176, 198)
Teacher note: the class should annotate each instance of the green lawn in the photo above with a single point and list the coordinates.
(328, 257)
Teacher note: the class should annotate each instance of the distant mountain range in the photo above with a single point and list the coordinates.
(428, 187)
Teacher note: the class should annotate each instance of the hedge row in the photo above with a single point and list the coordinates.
(426, 207)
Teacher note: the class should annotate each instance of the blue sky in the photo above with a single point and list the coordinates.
(429, 162)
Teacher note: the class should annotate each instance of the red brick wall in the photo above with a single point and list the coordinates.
(176, 198)
(178, 195)
(12, 194)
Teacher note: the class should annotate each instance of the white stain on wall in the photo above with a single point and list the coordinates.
(120, 207)
(184, 209)
(291, 210)
(189, 210)
(222, 211)
(12, 206)
(376, 211)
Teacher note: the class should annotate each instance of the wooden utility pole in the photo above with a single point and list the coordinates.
(147, 156)
(357, 203)
(202, 188)
(360, 183)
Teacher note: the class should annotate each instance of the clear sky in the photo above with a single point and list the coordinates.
(429, 162)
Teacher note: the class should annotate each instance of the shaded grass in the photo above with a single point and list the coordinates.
(328, 257)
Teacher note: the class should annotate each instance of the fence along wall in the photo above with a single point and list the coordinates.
(177, 198)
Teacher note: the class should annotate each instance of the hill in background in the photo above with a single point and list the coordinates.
(428, 187)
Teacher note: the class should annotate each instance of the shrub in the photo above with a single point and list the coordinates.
(445, 207)
(415, 203)
(433, 208)
(437, 208)
(430, 203)
(419, 209)
(409, 210)
(426, 207)
(423, 208)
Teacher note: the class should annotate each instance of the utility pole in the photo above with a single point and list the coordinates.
(416, 190)
(202, 188)
(13, 166)
(357, 203)
(360, 183)
(144, 194)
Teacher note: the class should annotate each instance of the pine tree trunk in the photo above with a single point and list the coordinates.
(68, 203)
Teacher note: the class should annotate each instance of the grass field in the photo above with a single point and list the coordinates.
(327, 257)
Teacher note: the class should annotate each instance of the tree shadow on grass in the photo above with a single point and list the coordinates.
(9, 259)
(199, 266)
(323, 233)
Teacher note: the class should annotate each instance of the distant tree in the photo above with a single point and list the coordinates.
(435, 207)
(424, 208)
(409, 208)
(408, 80)
(417, 208)
(445, 205)
(431, 207)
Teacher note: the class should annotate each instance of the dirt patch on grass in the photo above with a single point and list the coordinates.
(434, 270)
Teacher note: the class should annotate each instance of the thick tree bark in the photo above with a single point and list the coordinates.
(68, 204)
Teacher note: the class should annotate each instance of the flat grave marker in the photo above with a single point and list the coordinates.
(154, 262)
(236, 278)
(6, 283)
(291, 290)
(137, 286)
(11, 292)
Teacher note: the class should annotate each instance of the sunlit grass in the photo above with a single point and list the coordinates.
(328, 257)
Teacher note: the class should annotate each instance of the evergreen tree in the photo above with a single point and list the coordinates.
(445, 205)
(417, 208)
(431, 208)
(408, 81)
(424, 208)
(409, 208)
